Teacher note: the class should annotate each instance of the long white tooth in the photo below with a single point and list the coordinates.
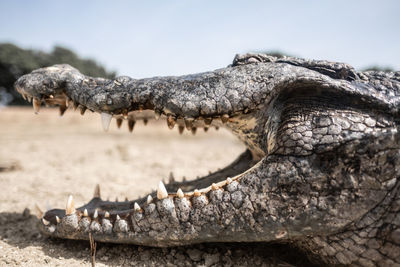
(149, 199)
(45, 222)
(105, 120)
(85, 213)
(39, 212)
(180, 194)
(70, 209)
(161, 191)
(107, 215)
(136, 207)
(118, 218)
(36, 105)
(58, 219)
(95, 214)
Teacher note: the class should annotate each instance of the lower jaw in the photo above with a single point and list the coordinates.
(98, 209)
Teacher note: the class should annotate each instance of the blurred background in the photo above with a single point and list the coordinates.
(154, 38)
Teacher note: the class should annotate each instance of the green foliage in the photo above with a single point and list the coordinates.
(15, 61)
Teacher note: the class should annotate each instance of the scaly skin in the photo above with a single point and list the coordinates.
(321, 170)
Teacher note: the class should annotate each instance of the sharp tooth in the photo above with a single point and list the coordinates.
(225, 118)
(76, 105)
(136, 207)
(105, 120)
(118, 218)
(180, 194)
(36, 105)
(119, 122)
(38, 211)
(62, 108)
(145, 121)
(214, 186)
(181, 129)
(171, 121)
(208, 121)
(205, 129)
(58, 219)
(85, 213)
(189, 123)
(83, 109)
(196, 193)
(96, 193)
(161, 191)
(228, 180)
(107, 215)
(131, 124)
(149, 199)
(95, 214)
(70, 209)
(194, 129)
(157, 114)
(45, 222)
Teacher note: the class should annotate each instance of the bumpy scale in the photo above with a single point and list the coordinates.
(320, 170)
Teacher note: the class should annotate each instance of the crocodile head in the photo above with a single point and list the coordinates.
(320, 170)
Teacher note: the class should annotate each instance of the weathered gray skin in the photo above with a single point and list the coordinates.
(321, 170)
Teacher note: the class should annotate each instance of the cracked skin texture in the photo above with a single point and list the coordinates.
(320, 171)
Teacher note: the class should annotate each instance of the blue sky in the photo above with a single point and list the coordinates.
(152, 38)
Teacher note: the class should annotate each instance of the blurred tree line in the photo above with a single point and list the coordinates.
(15, 61)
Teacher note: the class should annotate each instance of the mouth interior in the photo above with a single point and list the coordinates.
(123, 208)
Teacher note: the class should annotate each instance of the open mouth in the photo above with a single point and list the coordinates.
(104, 218)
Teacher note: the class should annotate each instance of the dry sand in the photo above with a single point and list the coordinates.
(45, 158)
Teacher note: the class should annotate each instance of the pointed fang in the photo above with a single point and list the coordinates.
(39, 212)
(171, 121)
(96, 193)
(70, 209)
(117, 218)
(181, 129)
(119, 122)
(136, 207)
(36, 105)
(214, 186)
(180, 194)
(131, 124)
(85, 213)
(95, 214)
(58, 219)
(107, 215)
(45, 222)
(161, 191)
(157, 114)
(82, 110)
(149, 199)
(105, 120)
(225, 118)
(62, 108)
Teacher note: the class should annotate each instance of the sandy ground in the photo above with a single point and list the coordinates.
(44, 158)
